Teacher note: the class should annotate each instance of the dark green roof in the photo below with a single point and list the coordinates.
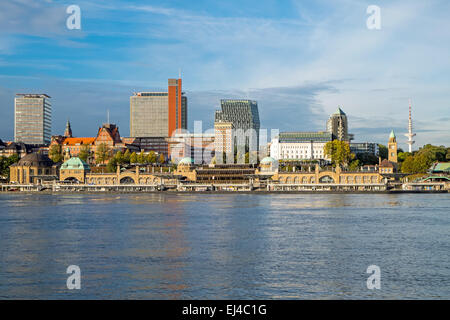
(436, 177)
(305, 136)
(392, 135)
(75, 163)
(339, 112)
(440, 167)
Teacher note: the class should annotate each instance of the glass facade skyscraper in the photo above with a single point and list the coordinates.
(32, 118)
(243, 114)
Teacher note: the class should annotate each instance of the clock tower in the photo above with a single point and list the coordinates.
(392, 148)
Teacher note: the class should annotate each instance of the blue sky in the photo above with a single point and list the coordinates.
(298, 59)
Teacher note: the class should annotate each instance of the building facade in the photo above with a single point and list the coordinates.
(158, 114)
(107, 134)
(159, 145)
(364, 147)
(32, 118)
(198, 146)
(34, 168)
(337, 125)
(299, 146)
(224, 140)
(244, 116)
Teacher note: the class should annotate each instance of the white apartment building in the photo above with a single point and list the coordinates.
(299, 146)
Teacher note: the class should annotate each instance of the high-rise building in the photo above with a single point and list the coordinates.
(244, 116)
(32, 118)
(337, 125)
(158, 114)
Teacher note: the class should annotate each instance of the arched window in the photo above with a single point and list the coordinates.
(127, 180)
(326, 179)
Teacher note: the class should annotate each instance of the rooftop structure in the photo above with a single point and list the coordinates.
(305, 136)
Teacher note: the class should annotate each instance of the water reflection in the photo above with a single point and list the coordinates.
(219, 246)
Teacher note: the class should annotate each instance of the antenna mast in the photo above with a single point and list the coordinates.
(410, 135)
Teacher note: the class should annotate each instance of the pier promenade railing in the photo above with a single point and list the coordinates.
(260, 186)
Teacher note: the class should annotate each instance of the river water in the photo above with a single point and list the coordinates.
(225, 246)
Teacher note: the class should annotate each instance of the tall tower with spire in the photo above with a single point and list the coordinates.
(68, 131)
(410, 135)
(392, 148)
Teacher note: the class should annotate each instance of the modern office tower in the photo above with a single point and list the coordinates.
(32, 118)
(158, 114)
(337, 125)
(299, 145)
(243, 114)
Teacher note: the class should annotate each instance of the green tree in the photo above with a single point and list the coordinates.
(401, 156)
(422, 162)
(408, 164)
(434, 152)
(112, 165)
(354, 165)
(5, 163)
(119, 157)
(151, 157)
(85, 152)
(141, 158)
(55, 153)
(133, 158)
(382, 151)
(126, 156)
(102, 154)
(161, 159)
(366, 159)
(339, 152)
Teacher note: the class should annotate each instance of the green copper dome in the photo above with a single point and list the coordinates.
(76, 164)
(392, 135)
(268, 160)
(186, 161)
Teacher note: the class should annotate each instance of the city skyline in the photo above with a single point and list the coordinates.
(276, 63)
